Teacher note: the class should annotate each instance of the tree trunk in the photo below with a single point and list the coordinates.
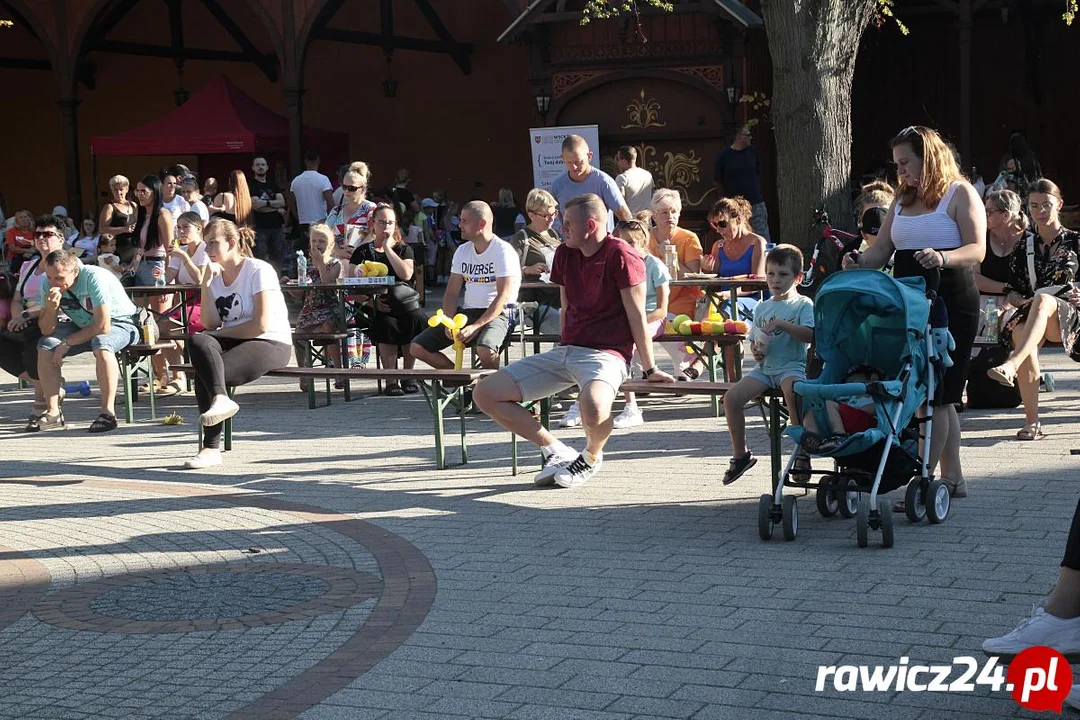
(813, 45)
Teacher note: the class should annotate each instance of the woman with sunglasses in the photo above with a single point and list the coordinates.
(18, 347)
(1048, 304)
(398, 314)
(535, 245)
(351, 218)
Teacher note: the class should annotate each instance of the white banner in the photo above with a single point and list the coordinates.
(546, 146)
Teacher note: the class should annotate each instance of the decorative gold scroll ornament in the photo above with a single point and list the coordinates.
(643, 113)
(679, 171)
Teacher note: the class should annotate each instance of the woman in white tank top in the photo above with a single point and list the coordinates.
(937, 222)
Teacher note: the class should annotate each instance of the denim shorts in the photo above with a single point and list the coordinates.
(120, 335)
(150, 273)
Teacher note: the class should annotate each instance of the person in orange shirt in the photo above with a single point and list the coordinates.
(666, 207)
(19, 240)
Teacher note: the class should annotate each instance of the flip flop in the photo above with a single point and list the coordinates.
(175, 387)
(999, 375)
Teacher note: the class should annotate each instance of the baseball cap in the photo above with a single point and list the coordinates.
(872, 220)
(60, 210)
(428, 202)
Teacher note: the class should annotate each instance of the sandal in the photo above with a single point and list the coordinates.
(737, 467)
(410, 387)
(801, 469)
(814, 443)
(1000, 375)
(102, 423)
(173, 388)
(1032, 431)
(394, 390)
(45, 421)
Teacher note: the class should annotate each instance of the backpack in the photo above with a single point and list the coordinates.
(984, 393)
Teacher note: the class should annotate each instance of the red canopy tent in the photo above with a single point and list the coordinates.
(218, 119)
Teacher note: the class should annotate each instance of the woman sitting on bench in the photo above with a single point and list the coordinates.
(247, 330)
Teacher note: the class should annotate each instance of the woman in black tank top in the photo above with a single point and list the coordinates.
(118, 219)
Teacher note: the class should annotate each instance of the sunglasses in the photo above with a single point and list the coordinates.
(353, 188)
(1041, 207)
(38, 235)
(719, 224)
(625, 224)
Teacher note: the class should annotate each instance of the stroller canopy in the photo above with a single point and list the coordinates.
(865, 317)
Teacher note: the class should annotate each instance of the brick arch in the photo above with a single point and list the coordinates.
(601, 78)
(85, 14)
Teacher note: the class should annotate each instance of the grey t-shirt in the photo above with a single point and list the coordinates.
(596, 182)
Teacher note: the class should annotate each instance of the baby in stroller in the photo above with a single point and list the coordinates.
(855, 415)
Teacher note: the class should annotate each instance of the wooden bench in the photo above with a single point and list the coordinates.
(775, 416)
(439, 387)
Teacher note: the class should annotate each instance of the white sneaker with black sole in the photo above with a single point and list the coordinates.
(552, 464)
(577, 472)
(1041, 628)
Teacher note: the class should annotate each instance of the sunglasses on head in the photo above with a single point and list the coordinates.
(352, 188)
(624, 224)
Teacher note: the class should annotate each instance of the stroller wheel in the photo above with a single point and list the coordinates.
(827, 502)
(937, 502)
(791, 517)
(914, 507)
(862, 522)
(847, 501)
(887, 537)
(764, 519)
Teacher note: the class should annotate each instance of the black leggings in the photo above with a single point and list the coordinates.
(18, 351)
(1072, 546)
(221, 362)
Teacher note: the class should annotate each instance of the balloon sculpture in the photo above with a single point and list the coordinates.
(460, 320)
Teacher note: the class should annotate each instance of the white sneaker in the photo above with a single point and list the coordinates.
(629, 417)
(552, 464)
(577, 472)
(1073, 698)
(205, 459)
(1041, 628)
(220, 410)
(572, 418)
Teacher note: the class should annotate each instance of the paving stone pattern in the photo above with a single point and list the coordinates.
(644, 594)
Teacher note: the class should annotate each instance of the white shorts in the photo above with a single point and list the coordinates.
(543, 375)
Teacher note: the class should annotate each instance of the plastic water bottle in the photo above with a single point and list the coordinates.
(79, 388)
(992, 314)
(365, 352)
(671, 259)
(350, 345)
(301, 268)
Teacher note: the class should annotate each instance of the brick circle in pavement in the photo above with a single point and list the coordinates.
(403, 596)
(74, 608)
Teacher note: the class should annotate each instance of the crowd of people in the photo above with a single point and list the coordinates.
(170, 228)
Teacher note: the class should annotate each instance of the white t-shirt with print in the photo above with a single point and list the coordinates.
(236, 303)
(200, 258)
(481, 271)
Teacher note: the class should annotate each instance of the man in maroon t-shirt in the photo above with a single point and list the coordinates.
(602, 283)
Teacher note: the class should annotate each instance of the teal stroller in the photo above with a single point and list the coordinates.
(867, 319)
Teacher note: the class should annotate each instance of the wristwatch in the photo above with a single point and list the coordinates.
(650, 371)
(25, 314)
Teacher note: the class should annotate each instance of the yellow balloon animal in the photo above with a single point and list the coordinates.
(460, 320)
(370, 268)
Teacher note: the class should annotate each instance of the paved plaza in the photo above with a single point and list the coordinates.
(329, 571)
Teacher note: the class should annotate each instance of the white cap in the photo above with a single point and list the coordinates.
(60, 210)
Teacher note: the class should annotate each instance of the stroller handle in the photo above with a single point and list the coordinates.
(933, 282)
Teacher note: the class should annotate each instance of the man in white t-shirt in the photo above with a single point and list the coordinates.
(312, 194)
(490, 271)
(171, 199)
(635, 183)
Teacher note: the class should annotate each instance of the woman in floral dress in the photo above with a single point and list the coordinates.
(1048, 304)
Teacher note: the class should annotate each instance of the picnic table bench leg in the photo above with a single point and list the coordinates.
(185, 327)
(150, 375)
(130, 387)
(710, 360)
(461, 419)
(437, 413)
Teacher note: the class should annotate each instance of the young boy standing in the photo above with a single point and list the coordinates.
(783, 329)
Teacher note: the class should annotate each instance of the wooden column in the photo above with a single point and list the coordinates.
(965, 23)
(294, 110)
(292, 83)
(70, 128)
